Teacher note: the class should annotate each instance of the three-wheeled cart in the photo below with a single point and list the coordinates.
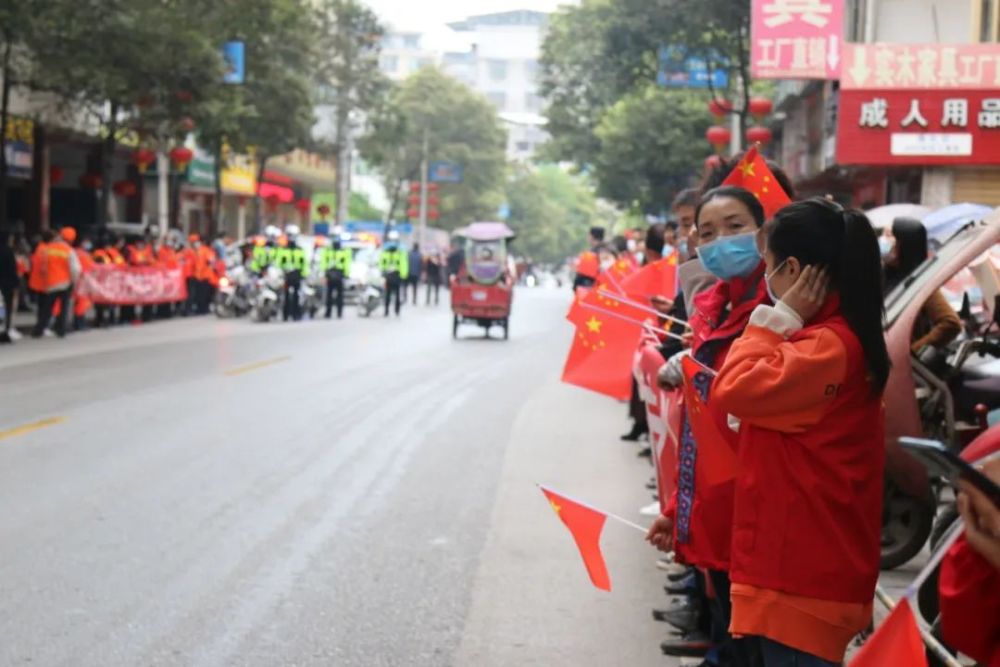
(483, 289)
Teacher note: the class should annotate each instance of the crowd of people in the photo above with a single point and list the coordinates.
(41, 275)
(783, 315)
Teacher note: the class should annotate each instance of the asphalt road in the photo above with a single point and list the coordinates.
(360, 492)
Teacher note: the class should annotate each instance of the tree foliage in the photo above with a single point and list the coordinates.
(551, 210)
(460, 125)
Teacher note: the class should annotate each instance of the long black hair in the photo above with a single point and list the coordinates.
(819, 232)
(742, 195)
(911, 250)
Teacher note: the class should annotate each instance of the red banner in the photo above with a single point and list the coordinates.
(796, 39)
(919, 127)
(120, 286)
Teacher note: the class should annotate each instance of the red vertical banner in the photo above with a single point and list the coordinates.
(796, 39)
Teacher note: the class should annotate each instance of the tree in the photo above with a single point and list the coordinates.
(349, 37)
(460, 125)
(551, 210)
(651, 143)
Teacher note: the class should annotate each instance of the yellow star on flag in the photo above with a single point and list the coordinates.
(555, 508)
(747, 169)
(594, 324)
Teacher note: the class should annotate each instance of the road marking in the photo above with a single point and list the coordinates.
(33, 426)
(240, 370)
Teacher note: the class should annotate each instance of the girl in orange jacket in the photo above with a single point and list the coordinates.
(805, 381)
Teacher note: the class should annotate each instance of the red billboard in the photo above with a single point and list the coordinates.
(918, 127)
(796, 39)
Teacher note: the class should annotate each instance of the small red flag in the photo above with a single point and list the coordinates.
(753, 174)
(585, 524)
(657, 278)
(600, 358)
(895, 642)
(716, 458)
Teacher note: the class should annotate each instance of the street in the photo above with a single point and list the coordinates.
(362, 492)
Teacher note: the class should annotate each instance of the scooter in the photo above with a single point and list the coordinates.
(311, 293)
(269, 294)
(372, 292)
(232, 299)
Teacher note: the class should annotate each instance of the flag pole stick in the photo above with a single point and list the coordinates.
(636, 304)
(670, 334)
(911, 591)
(591, 507)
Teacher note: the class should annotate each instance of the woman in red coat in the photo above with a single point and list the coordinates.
(805, 381)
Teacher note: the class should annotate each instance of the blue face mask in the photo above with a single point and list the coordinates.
(682, 248)
(885, 245)
(730, 256)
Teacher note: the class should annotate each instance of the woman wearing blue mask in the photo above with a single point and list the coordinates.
(698, 521)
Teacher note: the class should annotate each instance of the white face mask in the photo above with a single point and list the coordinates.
(632, 245)
(885, 245)
(606, 264)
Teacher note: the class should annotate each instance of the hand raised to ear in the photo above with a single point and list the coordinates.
(809, 292)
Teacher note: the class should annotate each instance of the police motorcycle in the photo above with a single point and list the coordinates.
(267, 300)
(370, 281)
(312, 293)
(232, 299)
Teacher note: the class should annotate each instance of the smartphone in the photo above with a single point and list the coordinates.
(942, 462)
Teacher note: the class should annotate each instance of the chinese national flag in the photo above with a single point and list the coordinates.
(658, 278)
(585, 524)
(896, 642)
(716, 462)
(753, 174)
(600, 358)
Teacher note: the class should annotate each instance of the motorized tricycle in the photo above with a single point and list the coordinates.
(483, 289)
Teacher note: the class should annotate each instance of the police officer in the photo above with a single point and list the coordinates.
(264, 249)
(395, 268)
(335, 261)
(291, 259)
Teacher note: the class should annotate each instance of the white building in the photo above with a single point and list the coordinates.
(403, 54)
(502, 64)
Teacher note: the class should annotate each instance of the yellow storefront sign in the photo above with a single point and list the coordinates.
(239, 176)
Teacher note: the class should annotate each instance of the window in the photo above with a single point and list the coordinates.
(524, 146)
(411, 41)
(389, 63)
(498, 99)
(497, 69)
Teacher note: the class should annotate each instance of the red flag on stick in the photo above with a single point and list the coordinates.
(895, 642)
(600, 358)
(753, 174)
(716, 462)
(585, 524)
(657, 278)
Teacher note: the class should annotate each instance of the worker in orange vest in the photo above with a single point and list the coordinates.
(58, 271)
(106, 255)
(140, 254)
(82, 304)
(204, 275)
(188, 258)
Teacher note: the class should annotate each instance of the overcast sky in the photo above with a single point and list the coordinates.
(430, 16)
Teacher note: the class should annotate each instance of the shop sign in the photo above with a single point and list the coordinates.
(240, 176)
(920, 127)
(20, 146)
(201, 171)
(921, 66)
(796, 39)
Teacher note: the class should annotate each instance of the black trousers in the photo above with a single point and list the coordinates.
(393, 287)
(335, 286)
(204, 291)
(414, 282)
(293, 285)
(732, 652)
(8, 306)
(191, 305)
(436, 288)
(46, 302)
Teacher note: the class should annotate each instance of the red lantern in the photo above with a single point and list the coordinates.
(414, 187)
(302, 205)
(760, 107)
(187, 123)
(432, 187)
(91, 181)
(432, 200)
(412, 213)
(272, 201)
(413, 199)
(719, 108)
(181, 157)
(142, 158)
(433, 214)
(56, 175)
(759, 135)
(323, 209)
(718, 136)
(124, 188)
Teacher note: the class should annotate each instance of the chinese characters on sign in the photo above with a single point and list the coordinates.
(20, 146)
(912, 66)
(796, 39)
(884, 127)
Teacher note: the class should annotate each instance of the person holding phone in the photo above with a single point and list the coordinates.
(805, 381)
(969, 585)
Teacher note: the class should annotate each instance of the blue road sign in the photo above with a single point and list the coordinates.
(233, 55)
(679, 70)
(444, 172)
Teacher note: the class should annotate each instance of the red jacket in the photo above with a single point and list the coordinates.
(703, 515)
(969, 590)
(808, 502)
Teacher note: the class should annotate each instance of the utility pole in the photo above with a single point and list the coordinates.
(423, 190)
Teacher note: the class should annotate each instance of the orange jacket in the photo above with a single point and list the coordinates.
(140, 256)
(116, 256)
(167, 257)
(188, 259)
(36, 280)
(86, 261)
(56, 268)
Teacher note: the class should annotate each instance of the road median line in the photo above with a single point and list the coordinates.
(33, 426)
(240, 370)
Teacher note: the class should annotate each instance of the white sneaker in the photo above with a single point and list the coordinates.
(652, 509)
(49, 333)
(15, 334)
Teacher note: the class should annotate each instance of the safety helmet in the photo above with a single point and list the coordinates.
(393, 235)
(345, 237)
(291, 231)
(272, 232)
(68, 234)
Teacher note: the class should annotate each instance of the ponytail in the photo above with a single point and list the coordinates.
(860, 288)
(820, 232)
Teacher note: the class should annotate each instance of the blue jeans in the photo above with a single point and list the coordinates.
(779, 655)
